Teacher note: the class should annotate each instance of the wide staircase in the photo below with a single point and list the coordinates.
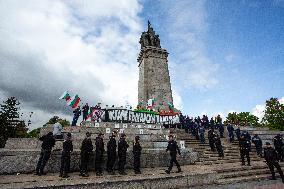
(229, 168)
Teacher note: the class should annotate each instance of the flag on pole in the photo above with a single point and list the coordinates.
(74, 101)
(171, 106)
(65, 96)
(150, 103)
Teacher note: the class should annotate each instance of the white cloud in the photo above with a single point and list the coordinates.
(89, 48)
(187, 28)
(258, 111)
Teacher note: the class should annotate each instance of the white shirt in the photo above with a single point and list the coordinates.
(57, 127)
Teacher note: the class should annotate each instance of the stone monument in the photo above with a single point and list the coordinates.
(154, 79)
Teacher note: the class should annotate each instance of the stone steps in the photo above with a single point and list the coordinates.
(243, 179)
(227, 174)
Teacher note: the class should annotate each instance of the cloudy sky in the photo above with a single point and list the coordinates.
(224, 55)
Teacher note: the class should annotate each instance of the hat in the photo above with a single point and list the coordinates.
(68, 135)
(267, 143)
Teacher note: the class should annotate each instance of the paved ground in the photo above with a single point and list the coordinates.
(264, 184)
(51, 179)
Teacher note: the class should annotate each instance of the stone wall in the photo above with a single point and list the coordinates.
(24, 161)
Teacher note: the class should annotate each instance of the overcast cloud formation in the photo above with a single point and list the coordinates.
(218, 53)
(88, 48)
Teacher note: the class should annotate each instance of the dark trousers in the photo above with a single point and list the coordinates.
(258, 150)
(173, 160)
(85, 156)
(271, 166)
(280, 152)
(202, 138)
(121, 161)
(212, 145)
(136, 163)
(99, 162)
(65, 163)
(75, 119)
(243, 154)
(43, 159)
(111, 157)
(220, 150)
(231, 136)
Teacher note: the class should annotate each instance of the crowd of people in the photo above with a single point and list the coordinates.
(196, 127)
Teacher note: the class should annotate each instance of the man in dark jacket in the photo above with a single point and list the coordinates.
(173, 149)
(111, 153)
(238, 133)
(271, 158)
(201, 134)
(85, 111)
(218, 144)
(258, 144)
(86, 150)
(244, 149)
(99, 154)
(77, 113)
(122, 149)
(65, 157)
(279, 146)
(211, 139)
(137, 154)
(230, 129)
(47, 144)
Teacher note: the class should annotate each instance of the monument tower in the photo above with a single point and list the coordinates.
(154, 79)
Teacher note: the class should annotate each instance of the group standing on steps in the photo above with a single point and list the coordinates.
(272, 156)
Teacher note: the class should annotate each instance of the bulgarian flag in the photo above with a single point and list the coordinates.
(150, 103)
(74, 101)
(171, 106)
(65, 96)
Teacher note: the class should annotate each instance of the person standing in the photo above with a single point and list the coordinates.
(211, 139)
(137, 154)
(99, 154)
(218, 144)
(238, 133)
(279, 145)
(57, 127)
(244, 149)
(111, 154)
(122, 149)
(86, 150)
(201, 134)
(47, 144)
(230, 129)
(270, 156)
(173, 149)
(221, 130)
(77, 113)
(65, 157)
(85, 111)
(258, 144)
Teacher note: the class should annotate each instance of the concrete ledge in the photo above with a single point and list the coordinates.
(24, 161)
(159, 180)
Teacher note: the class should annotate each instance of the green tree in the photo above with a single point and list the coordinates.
(63, 122)
(34, 133)
(243, 119)
(11, 125)
(274, 114)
